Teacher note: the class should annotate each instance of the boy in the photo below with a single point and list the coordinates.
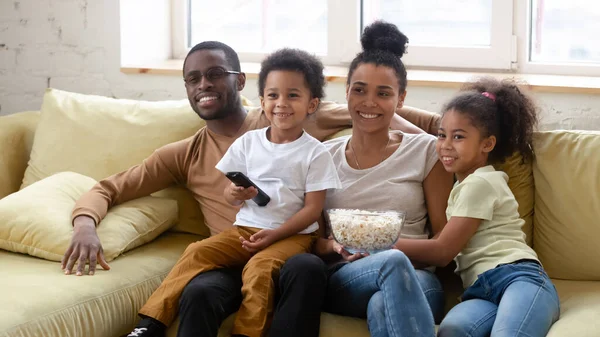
(293, 168)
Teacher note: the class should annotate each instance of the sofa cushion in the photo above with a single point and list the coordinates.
(36, 220)
(16, 137)
(39, 300)
(579, 309)
(191, 219)
(567, 198)
(99, 136)
(520, 182)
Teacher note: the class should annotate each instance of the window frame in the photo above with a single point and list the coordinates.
(342, 33)
(499, 55)
(522, 27)
(508, 52)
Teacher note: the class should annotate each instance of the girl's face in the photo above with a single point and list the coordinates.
(373, 96)
(461, 146)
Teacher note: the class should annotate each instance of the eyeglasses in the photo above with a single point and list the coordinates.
(211, 74)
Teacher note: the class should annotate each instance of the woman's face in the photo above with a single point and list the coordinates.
(373, 96)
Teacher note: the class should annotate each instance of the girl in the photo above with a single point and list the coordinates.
(508, 293)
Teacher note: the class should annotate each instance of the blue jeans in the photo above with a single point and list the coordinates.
(516, 299)
(385, 289)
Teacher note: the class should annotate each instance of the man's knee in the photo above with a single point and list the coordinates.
(304, 268)
(198, 293)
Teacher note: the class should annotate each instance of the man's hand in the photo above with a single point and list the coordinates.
(85, 246)
(345, 254)
(236, 195)
(259, 240)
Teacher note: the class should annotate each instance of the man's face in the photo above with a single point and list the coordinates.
(216, 97)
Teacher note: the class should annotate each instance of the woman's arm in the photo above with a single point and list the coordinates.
(323, 246)
(437, 186)
(439, 251)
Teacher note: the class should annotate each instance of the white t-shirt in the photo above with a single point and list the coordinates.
(395, 184)
(285, 172)
(499, 239)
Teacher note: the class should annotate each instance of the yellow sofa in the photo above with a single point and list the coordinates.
(562, 208)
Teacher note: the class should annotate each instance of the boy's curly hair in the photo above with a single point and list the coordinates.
(294, 60)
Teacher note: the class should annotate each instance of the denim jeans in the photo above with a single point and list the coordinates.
(385, 289)
(516, 299)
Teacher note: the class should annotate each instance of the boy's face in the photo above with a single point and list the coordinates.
(287, 100)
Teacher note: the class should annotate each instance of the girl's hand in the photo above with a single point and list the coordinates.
(240, 193)
(259, 240)
(339, 249)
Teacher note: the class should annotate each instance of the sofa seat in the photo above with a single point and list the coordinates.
(579, 301)
(579, 309)
(39, 300)
(331, 326)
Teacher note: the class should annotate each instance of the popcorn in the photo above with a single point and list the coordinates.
(365, 231)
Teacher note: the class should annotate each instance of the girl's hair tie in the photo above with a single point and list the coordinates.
(489, 95)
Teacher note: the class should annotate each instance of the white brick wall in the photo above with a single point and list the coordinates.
(71, 45)
(75, 45)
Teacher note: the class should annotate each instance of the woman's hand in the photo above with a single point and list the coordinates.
(339, 249)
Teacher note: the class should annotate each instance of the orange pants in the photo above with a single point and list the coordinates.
(224, 250)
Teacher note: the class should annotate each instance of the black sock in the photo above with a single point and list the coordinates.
(149, 327)
(151, 321)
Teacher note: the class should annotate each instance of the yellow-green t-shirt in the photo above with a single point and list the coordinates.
(499, 239)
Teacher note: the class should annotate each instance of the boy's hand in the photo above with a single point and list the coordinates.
(259, 240)
(240, 193)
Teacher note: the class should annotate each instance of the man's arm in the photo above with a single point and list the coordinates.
(154, 174)
(332, 117)
(399, 123)
(423, 119)
(165, 167)
(329, 119)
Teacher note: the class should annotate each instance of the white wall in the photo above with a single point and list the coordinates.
(75, 45)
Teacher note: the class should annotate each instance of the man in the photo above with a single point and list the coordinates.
(213, 80)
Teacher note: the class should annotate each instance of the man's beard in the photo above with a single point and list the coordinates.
(221, 113)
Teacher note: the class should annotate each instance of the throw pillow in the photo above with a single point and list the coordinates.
(37, 219)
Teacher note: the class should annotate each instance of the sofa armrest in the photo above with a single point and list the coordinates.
(16, 139)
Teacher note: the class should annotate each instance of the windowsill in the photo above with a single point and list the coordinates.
(421, 78)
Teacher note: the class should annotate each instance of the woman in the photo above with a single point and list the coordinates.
(385, 170)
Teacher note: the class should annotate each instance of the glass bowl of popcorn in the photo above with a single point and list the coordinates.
(365, 231)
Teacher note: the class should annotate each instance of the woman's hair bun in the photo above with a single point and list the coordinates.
(384, 36)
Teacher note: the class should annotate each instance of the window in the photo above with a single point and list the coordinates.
(532, 36)
(460, 33)
(259, 26)
(560, 37)
(256, 27)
